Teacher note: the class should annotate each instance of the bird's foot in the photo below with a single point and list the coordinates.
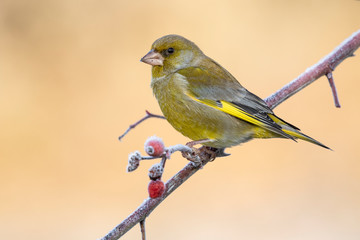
(208, 152)
(193, 156)
(204, 152)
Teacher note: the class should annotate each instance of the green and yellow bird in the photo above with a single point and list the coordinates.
(204, 102)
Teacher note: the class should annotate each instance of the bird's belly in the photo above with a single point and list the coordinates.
(198, 122)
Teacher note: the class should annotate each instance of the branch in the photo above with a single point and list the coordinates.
(147, 116)
(150, 204)
(324, 67)
(142, 228)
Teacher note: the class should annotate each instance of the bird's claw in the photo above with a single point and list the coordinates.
(193, 156)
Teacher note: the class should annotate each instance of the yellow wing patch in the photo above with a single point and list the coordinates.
(235, 111)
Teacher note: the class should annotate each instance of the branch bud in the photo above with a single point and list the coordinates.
(156, 171)
(133, 161)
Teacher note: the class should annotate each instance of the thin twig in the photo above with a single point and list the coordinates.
(163, 161)
(142, 227)
(333, 89)
(346, 49)
(148, 115)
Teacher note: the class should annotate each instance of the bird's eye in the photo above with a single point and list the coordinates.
(170, 50)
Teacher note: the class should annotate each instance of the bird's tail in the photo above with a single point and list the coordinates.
(295, 132)
(302, 136)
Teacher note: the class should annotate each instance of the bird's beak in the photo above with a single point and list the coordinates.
(153, 58)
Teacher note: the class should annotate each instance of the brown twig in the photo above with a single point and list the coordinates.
(324, 67)
(142, 228)
(148, 115)
(333, 89)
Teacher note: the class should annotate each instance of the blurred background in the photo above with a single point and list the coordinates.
(71, 82)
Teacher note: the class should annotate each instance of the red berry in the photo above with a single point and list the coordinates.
(154, 146)
(156, 188)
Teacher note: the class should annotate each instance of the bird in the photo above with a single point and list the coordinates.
(205, 103)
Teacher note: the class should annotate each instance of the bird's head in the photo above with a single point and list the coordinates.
(171, 53)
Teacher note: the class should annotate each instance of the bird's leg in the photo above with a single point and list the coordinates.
(193, 143)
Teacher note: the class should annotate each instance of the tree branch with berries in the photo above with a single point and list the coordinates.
(199, 157)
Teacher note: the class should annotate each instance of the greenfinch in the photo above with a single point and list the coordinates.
(205, 103)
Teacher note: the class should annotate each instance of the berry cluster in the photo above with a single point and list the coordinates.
(155, 148)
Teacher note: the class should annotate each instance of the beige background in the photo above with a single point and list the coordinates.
(71, 83)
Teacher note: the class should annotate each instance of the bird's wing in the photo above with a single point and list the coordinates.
(219, 90)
